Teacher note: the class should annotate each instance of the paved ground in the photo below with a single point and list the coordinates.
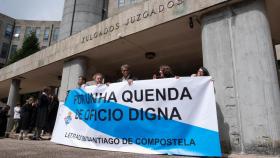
(11, 148)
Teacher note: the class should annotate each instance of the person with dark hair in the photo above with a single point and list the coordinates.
(126, 74)
(25, 115)
(42, 113)
(82, 82)
(33, 115)
(165, 71)
(3, 120)
(202, 71)
(53, 108)
(17, 118)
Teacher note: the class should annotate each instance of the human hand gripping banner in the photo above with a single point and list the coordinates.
(163, 116)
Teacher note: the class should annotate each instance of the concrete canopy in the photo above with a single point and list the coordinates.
(167, 34)
(174, 43)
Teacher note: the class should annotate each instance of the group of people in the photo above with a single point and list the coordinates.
(35, 115)
(40, 114)
(165, 71)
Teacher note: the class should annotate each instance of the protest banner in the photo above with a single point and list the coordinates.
(163, 116)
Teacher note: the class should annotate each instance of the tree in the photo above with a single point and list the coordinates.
(30, 46)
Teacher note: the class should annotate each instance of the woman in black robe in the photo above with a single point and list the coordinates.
(25, 115)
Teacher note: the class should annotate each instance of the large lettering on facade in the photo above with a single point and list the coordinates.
(133, 19)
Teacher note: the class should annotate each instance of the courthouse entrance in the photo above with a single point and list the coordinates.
(174, 43)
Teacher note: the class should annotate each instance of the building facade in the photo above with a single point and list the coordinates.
(235, 39)
(46, 32)
(6, 33)
(13, 31)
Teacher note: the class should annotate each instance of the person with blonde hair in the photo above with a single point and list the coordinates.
(98, 79)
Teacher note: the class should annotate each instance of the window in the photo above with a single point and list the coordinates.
(126, 2)
(8, 31)
(121, 3)
(4, 51)
(37, 32)
(17, 32)
(28, 31)
(13, 50)
(55, 34)
(46, 34)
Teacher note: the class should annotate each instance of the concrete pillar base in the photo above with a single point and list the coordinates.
(238, 51)
(12, 101)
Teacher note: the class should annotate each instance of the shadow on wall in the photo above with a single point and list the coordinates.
(224, 132)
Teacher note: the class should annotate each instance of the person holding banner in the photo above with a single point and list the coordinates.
(82, 82)
(127, 75)
(202, 71)
(98, 78)
(165, 71)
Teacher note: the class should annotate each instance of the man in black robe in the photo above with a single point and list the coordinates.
(42, 113)
(3, 120)
(53, 108)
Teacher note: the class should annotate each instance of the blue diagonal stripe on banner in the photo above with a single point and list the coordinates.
(206, 141)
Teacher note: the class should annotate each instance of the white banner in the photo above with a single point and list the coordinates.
(163, 116)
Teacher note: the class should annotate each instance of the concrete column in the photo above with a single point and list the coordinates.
(80, 14)
(13, 99)
(238, 51)
(71, 71)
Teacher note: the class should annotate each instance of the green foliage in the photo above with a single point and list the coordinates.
(30, 46)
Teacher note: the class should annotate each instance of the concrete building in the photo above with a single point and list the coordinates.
(13, 31)
(234, 39)
(6, 32)
(46, 32)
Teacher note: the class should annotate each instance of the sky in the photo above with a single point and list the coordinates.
(33, 9)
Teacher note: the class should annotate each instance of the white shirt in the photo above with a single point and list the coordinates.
(16, 112)
(83, 86)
